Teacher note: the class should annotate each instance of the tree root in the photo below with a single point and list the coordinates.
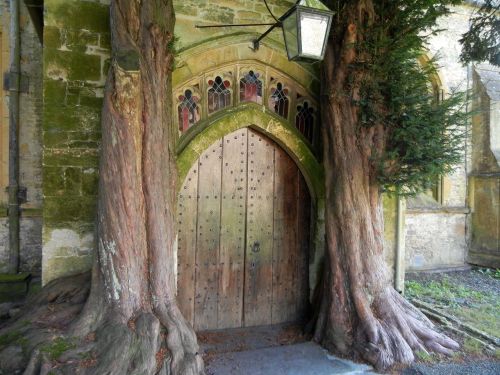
(398, 331)
(158, 342)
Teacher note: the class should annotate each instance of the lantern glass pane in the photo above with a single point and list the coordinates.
(313, 29)
(290, 32)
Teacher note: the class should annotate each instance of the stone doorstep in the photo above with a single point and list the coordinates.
(306, 358)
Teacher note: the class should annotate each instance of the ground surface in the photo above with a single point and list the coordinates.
(471, 368)
(296, 359)
(471, 296)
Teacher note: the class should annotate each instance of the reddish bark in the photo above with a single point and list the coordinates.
(360, 312)
(133, 283)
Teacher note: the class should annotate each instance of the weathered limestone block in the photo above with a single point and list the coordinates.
(435, 239)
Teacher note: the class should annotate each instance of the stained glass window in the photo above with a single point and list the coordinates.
(251, 88)
(278, 101)
(219, 95)
(304, 120)
(189, 110)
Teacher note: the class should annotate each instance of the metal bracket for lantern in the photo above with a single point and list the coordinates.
(292, 23)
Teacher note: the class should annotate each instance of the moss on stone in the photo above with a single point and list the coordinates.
(81, 118)
(78, 15)
(14, 278)
(206, 133)
(51, 37)
(71, 158)
(58, 211)
(54, 93)
(90, 180)
(71, 65)
(78, 40)
(221, 15)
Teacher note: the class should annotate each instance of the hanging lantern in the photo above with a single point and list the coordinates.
(305, 28)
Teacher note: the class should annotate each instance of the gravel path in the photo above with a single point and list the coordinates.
(472, 368)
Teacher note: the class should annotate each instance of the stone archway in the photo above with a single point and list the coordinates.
(201, 124)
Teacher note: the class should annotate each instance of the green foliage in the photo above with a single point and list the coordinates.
(424, 132)
(482, 41)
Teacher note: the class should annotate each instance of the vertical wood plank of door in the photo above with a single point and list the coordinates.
(232, 236)
(303, 240)
(285, 240)
(187, 208)
(259, 243)
(208, 234)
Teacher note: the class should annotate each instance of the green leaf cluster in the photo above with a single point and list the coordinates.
(482, 41)
(424, 131)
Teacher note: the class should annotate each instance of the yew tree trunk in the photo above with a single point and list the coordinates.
(360, 313)
(129, 322)
(133, 283)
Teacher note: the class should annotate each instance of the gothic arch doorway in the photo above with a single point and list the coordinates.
(244, 234)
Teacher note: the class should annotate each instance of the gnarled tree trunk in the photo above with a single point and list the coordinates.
(134, 287)
(360, 312)
(130, 323)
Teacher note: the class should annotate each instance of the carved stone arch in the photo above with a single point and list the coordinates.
(236, 49)
(251, 115)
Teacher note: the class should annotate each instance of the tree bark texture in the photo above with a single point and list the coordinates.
(130, 323)
(360, 313)
(135, 272)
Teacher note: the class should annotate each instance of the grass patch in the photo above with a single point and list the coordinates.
(491, 272)
(57, 347)
(9, 338)
(424, 357)
(472, 346)
(14, 338)
(479, 309)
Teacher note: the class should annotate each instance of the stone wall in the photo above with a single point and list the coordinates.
(189, 13)
(76, 58)
(435, 240)
(435, 232)
(485, 173)
(30, 144)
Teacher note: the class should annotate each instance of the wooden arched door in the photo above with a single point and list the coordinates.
(244, 222)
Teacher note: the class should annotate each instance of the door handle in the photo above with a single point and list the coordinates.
(255, 247)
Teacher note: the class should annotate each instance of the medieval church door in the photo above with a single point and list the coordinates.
(243, 219)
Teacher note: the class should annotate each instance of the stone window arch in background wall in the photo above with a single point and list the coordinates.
(436, 189)
(219, 93)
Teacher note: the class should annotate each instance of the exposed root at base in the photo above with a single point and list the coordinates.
(145, 345)
(389, 333)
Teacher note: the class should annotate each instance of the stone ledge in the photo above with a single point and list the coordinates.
(25, 212)
(438, 210)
